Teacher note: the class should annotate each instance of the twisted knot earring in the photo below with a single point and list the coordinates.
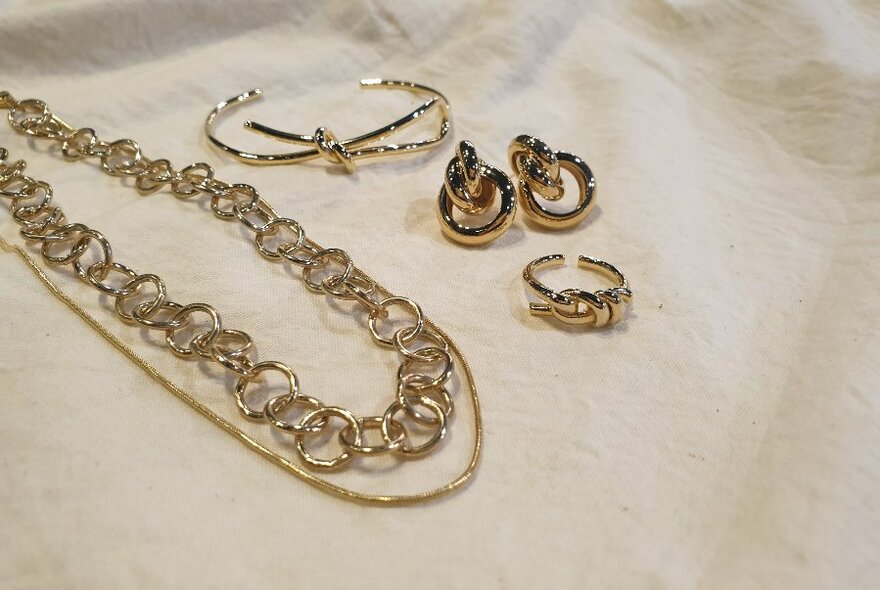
(538, 168)
(470, 185)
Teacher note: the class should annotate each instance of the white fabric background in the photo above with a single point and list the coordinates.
(725, 436)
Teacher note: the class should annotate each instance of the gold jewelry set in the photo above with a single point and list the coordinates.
(470, 185)
(418, 416)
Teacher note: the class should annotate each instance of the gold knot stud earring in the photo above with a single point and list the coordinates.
(576, 306)
(324, 144)
(538, 167)
(470, 184)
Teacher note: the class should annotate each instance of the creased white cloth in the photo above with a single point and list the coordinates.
(724, 436)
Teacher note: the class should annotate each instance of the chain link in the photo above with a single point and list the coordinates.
(420, 399)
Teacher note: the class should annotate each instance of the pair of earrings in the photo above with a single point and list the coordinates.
(470, 185)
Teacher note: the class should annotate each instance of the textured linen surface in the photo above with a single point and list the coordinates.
(725, 436)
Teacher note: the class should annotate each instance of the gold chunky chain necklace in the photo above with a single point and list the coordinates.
(429, 357)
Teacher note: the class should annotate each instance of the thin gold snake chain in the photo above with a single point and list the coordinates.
(421, 399)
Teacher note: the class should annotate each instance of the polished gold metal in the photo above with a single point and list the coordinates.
(538, 168)
(470, 185)
(604, 307)
(325, 143)
(142, 299)
(245, 438)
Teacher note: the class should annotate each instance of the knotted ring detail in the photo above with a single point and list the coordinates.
(604, 307)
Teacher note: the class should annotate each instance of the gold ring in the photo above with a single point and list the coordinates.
(576, 306)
